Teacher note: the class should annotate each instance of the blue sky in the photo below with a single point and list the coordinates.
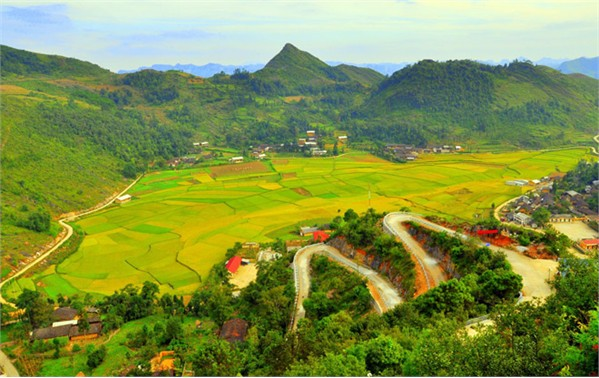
(126, 34)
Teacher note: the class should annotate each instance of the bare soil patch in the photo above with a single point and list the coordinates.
(13, 89)
(245, 275)
(576, 230)
(302, 192)
(289, 175)
(238, 169)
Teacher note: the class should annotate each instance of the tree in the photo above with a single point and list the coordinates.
(384, 356)
(350, 215)
(129, 171)
(39, 220)
(37, 309)
(541, 216)
(96, 357)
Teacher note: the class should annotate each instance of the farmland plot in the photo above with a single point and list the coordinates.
(180, 223)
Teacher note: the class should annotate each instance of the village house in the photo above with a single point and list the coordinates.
(67, 324)
(523, 219)
(588, 245)
(236, 159)
(124, 198)
(307, 231)
(233, 264)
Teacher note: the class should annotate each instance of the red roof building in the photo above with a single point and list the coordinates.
(320, 236)
(589, 244)
(233, 264)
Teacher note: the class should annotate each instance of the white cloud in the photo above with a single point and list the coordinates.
(117, 33)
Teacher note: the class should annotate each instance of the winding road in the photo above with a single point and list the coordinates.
(385, 298)
(534, 272)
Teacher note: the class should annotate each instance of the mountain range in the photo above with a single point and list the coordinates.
(585, 66)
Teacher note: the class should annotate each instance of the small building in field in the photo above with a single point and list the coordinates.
(588, 245)
(311, 133)
(233, 264)
(234, 330)
(123, 198)
(236, 159)
(307, 231)
(342, 139)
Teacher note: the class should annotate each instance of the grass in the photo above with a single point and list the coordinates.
(173, 234)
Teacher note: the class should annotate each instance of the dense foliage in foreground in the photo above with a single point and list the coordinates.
(339, 336)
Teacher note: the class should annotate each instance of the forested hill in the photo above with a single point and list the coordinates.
(295, 72)
(25, 63)
(462, 99)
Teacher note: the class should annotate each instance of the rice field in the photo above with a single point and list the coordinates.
(180, 223)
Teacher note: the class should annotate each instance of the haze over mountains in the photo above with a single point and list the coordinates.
(585, 66)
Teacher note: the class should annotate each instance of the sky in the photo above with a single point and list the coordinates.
(127, 34)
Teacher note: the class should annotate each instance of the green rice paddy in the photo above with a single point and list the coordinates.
(180, 223)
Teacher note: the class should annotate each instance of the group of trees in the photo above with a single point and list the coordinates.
(481, 279)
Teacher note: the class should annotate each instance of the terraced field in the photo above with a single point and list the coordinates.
(180, 223)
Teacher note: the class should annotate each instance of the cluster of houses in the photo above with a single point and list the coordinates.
(67, 322)
(310, 143)
(407, 152)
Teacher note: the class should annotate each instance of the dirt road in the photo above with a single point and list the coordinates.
(387, 293)
(534, 272)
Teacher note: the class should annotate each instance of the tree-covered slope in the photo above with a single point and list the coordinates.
(464, 100)
(21, 62)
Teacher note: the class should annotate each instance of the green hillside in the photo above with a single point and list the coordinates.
(21, 62)
(466, 101)
(293, 71)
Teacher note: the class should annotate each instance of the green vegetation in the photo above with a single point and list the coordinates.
(333, 289)
(557, 337)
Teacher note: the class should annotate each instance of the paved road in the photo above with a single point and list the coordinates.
(301, 266)
(69, 232)
(433, 273)
(534, 272)
(8, 369)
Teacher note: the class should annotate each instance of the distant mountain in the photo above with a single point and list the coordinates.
(585, 66)
(383, 68)
(293, 71)
(206, 71)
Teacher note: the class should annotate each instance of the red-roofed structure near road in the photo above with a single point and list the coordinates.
(486, 232)
(233, 264)
(320, 236)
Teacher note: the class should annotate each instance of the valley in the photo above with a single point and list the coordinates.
(179, 222)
